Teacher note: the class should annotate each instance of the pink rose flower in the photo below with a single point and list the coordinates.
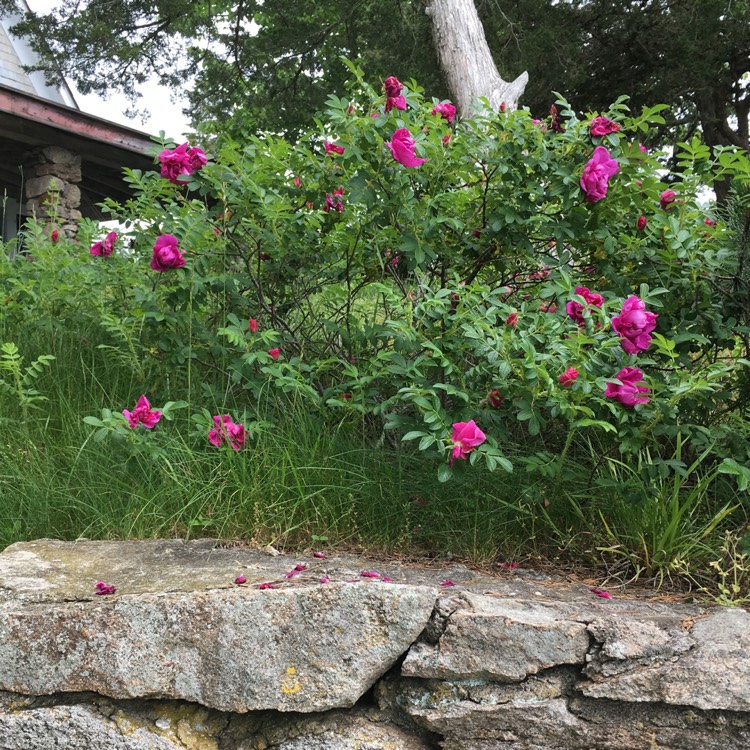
(634, 325)
(667, 198)
(104, 248)
(395, 101)
(225, 430)
(180, 161)
(332, 148)
(55, 236)
(252, 324)
(403, 148)
(393, 87)
(166, 254)
(643, 149)
(465, 436)
(275, 352)
(142, 414)
(568, 377)
(603, 126)
(297, 182)
(446, 110)
(512, 320)
(575, 309)
(628, 392)
(332, 204)
(641, 223)
(596, 174)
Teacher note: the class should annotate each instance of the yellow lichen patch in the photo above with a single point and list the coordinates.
(289, 683)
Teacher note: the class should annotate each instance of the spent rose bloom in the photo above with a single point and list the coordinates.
(55, 236)
(667, 198)
(512, 320)
(166, 254)
(495, 398)
(641, 223)
(596, 174)
(252, 324)
(634, 325)
(104, 248)
(575, 309)
(603, 126)
(402, 147)
(332, 148)
(399, 102)
(275, 352)
(465, 436)
(446, 110)
(628, 392)
(393, 87)
(568, 377)
(224, 430)
(142, 414)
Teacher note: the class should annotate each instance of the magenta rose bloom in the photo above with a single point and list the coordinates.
(596, 174)
(403, 148)
(575, 309)
(603, 126)
(103, 248)
(196, 158)
(226, 430)
(332, 148)
(399, 102)
(465, 436)
(446, 110)
(568, 377)
(166, 254)
(634, 325)
(628, 392)
(667, 198)
(142, 414)
(183, 160)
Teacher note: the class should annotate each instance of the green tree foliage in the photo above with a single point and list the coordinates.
(266, 65)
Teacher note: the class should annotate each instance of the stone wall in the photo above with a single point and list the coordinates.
(52, 186)
(326, 658)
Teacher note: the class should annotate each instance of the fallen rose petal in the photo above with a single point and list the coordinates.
(319, 555)
(324, 579)
(266, 585)
(103, 589)
(369, 574)
(447, 582)
(385, 579)
(300, 567)
(507, 565)
(603, 594)
(240, 580)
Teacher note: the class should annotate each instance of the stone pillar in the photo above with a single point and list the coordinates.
(52, 192)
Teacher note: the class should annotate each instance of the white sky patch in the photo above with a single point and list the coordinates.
(164, 105)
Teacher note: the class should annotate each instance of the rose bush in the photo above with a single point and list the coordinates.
(442, 295)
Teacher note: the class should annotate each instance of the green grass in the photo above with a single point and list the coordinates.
(317, 480)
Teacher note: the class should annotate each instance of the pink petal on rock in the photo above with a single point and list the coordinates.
(600, 592)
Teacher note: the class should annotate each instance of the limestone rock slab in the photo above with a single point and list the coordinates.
(301, 648)
(541, 714)
(75, 728)
(707, 666)
(498, 638)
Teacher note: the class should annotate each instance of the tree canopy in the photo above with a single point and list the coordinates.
(270, 64)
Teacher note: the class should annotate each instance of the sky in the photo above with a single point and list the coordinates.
(165, 114)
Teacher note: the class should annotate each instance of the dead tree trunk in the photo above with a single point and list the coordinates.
(465, 57)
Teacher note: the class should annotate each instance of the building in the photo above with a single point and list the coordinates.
(51, 150)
